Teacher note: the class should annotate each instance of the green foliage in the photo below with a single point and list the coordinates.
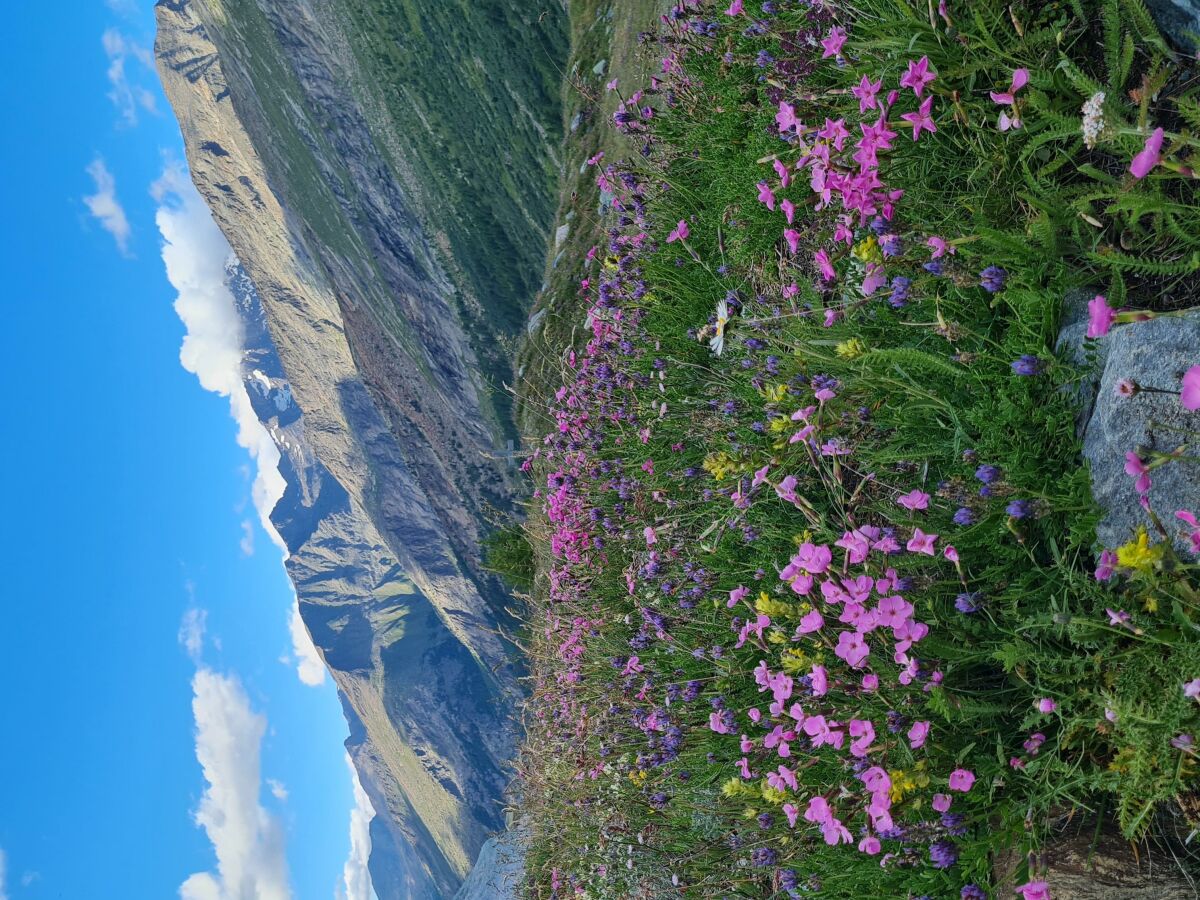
(508, 553)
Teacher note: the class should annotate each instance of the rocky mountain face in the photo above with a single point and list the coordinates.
(384, 200)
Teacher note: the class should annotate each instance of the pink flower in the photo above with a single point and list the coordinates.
(914, 500)
(792, 813)
(1194, 535)
(1035, 890)
(812, 621)
(792, 236)
(651, 536)
(1135, 468)
(1150, 155)
(921, 542)
(1190, 396)
(865, 92)
(820, 681)
(789, 210)
(1191, 689)
(1020, 78)
(715, 723)
(1046, 705)
(939, 247)
(827, 270)
(950, 553)
(766, 195)
(1100, 317)
(922, 119)
(917, 734)
(786, 117)
(1107, 565)
(869, 845)
(852, 648)
(818, 810)
(833, 42)
(918, 76)
(680, 233)
(870, 682)
(961, 780)
(941, 802)
(736, 596)
(785, 177)
(735, 8)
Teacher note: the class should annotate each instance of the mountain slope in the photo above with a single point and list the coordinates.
(377, 304)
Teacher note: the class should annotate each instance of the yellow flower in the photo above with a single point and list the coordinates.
(1138, 554)
(868, 251)
(638, 777)
(772, 795)
(776, 393)
(851, 349)
(793, 661)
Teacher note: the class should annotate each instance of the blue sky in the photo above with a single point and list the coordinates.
(156, 728)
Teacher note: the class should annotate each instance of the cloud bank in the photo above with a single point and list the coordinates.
(3, 876)
(126, 96)
(309, 665)
(356, 878)
(105, 207)
(247, 839)
(195, 254)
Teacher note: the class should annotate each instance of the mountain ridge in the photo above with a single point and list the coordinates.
(360, 361)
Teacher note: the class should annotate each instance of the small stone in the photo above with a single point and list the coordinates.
(600, 68)
(561, 235)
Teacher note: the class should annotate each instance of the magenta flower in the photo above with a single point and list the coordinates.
(865, 92)
(914, 500)
(1107, 566)
(918, 76)
(852, 648)
(922, 119)
(961, 780)
(870, 845)
(786, 117)
(680, 233)
(820, 681)
(833, 42)
(1191, 689)
(1046, 705)
(1193, 535)
(792, 236)
(1135, 468)
(1035, 890)
(917, 734)
(921, 542)
(812, 621)
(941, 802)
(1020, 78)
(766, 195)
(1190, 396)
(735, 8)
(940, 247)
(789, 210)
(736, 596)
(1150, 155)
(1100, 317)
(792, 813)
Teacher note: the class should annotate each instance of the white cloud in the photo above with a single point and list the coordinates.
(195, 254)
(309, 665)
(105, 207)
(248, 840)
(127, 96)
(3, 875)
(122, 7)
(278, 791)
(356, 878)
(247, 541)
(191, 632)
(28, 878)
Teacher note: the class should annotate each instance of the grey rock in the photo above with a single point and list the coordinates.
(576, 121)
(535, 321)
(498, 871)
(1154, 354)
(1179, 20)
(561, 235)
(600, 68)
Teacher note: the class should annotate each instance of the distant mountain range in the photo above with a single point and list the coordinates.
(384, 171)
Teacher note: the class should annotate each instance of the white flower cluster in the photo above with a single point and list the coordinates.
(1093, 119)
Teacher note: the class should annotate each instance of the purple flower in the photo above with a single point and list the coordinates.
(901, 288)
(964, 516)
(968, 603)
(973, 892)
(1019, 509)
(988, 474)
(1028, 365)
(992, 278)
(943, 854)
